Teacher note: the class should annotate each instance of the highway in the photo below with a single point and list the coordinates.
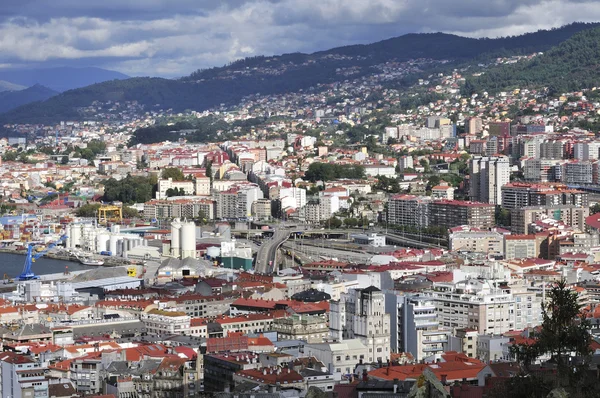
(265, 258)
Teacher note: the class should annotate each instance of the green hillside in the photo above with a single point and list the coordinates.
(287, 73)
(572, 65)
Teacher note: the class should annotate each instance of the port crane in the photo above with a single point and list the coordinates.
(30, 258)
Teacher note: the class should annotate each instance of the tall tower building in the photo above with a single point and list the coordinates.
(360, 314)
(487, 175)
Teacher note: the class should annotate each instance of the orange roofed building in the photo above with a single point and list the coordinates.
(452, 367)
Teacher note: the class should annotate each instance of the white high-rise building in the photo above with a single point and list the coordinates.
(298, 194)
(360, 314)
(487, 176)
(415, 327)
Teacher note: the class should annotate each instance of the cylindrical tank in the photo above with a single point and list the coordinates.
(113, 244)
(115, 229)
(121, 246)
(188, 240)
(213, 251)
(102, 242)
(75, 235)
(175, 238)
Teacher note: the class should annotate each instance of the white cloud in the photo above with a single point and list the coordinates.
(173, 38)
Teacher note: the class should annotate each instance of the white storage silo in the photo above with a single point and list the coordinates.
(175, 238)
(75, 235)
(188, 240)
(115, 229)
(113, 244)
(102, 242)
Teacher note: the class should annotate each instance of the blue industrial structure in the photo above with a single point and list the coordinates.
(27, 273)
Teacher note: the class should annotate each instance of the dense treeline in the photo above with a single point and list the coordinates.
(329, 171)
(570, 66)
(129, 190)
(204, 129)
(211, 87)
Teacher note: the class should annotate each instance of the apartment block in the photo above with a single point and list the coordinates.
(520, 246)
(487, 175)
(487, 242)
(473, 304)
(22, 377)
(521, 218)
(415, 326)
(450, 213)
(409, 210)
(521, 194)
(360, 314)
(309, 328)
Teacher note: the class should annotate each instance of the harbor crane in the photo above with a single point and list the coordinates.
(30, 258)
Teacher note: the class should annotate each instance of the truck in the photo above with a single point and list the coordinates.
(106, 253)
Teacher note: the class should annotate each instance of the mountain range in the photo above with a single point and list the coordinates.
(292, 72)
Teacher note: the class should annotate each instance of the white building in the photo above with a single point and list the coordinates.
(415, 327)
(297, 194)
(487, 176)
(339, 357)
(360, 314)
(164, 185)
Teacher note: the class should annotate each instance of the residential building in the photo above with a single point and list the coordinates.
(487, 242)
(522, 217)
(473, 304)
(520, 246)
(487, 175)
(161, 322)
(415, 328)
(164, 185)
(520, 194)
(22, 377)
(310, 328)
(261, 209)
(219, 369)
(450, 213)
(409, 210)
(360, 314)
(339, 357)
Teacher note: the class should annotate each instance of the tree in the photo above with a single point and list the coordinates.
(64, 160)
(88, 210)
(351, 222)
(595, 208)
(202, 217)
(130, 212)
(502, 217)
(209, 172)
(564, 336)
(332, 222)
(174, 173)
(10, 156)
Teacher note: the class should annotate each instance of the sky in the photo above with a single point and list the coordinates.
(172, 38)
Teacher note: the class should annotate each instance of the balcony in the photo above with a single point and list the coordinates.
(434, 341)
(433, 349)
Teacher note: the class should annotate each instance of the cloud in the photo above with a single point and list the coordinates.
(176, 37)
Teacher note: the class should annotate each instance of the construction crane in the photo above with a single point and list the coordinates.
(30, 258)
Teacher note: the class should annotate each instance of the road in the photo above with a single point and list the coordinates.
(265, 258)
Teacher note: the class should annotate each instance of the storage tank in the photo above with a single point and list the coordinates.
(188, 240)
(175, 238)
(113, 244)
(102, 242)
(75, 236)
(213, 252)
(115, 229)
